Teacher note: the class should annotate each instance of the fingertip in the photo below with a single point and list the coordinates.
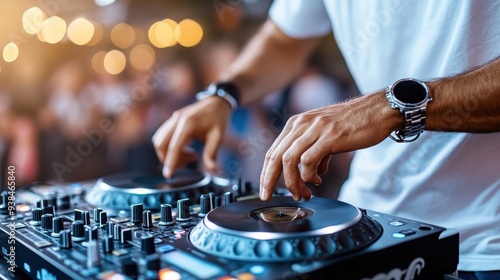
(263, 194)
(297, 194)
(306, 193)
(167, 171)
(318, 181)
(210, 165)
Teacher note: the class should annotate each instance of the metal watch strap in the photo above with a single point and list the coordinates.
(414, 125)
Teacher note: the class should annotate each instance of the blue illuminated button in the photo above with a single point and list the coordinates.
(257, 269)
(403, 233)
(165, 248)
(398, 235)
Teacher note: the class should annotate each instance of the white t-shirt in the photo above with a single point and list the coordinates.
(447, 179)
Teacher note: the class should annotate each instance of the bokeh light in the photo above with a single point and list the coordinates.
(166, 32)
(188, 33)
(169, 274)
(115, 62)
(162, 33)
(10, 52)
(98, 62)
(98, 33)
(80, 31)
(122, 35)
(142, 57)
(39, 34)
(33, 20)
(152, 35)
(53, 29)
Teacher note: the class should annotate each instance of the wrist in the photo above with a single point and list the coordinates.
(393, 119)
(227, 91)
(410, 97)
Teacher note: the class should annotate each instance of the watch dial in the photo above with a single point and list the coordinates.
(409, 91)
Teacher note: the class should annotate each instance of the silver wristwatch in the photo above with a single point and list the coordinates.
(228, 91)
(410, 96)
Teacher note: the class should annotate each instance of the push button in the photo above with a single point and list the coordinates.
(407, 232)
(396, 223)
(403, 233)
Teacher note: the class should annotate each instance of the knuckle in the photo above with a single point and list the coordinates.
(304, 118)
(292, 118)
(288, 158)
(176, 115)
(291, 121)
(307, 160)
(268, 155)
(301, 118)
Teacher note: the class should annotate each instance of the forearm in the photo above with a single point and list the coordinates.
(468, 102)
(269, 62)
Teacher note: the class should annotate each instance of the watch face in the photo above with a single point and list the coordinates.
(410, 91)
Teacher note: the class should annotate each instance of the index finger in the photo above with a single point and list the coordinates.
(161, 138)
(180, 138)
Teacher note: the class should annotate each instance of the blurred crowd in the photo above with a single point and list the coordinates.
(75, 124)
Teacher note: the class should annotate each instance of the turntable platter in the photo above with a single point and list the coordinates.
(284, 230)
(283, 217)
(149, 188)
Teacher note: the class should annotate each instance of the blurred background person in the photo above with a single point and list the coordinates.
(67, 90)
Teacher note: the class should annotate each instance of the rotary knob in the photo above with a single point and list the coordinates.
(103, 218)
(136, 213)
(204, 205)
(82, 215)
(77, 227)
(228, 197)
(148, 244)
(47, 222)
(64, 202)
(86, 217)
(125, 236)
(41, 203)
(65, 241)
(90, 234)
(166, 215)
(52, 201)
(97, 213)
(36, 216)
(183, 213)
(57, 226)
(212, 200)
(48, 210)
(147, 220)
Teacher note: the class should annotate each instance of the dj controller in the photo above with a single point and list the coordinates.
(198, 226)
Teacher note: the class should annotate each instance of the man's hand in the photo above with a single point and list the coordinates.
(308, 140)
(205, 121)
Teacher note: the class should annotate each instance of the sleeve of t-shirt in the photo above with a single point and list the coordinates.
(301, 18)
